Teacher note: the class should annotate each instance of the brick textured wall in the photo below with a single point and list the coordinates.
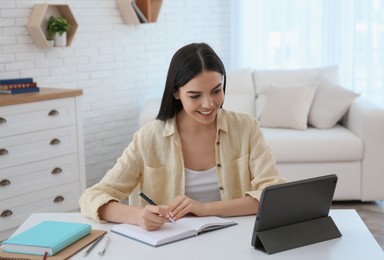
(118, 66)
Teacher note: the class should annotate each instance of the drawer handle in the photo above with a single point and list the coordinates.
(53, 112)
(3, 152)
(3, 120)
(5, 182)
(57, 170)
(55, 141)
(6, 213)
(58, 199)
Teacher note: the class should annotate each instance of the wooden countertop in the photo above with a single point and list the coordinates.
(43, 94)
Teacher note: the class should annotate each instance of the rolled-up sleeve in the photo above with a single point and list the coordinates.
(117, 183)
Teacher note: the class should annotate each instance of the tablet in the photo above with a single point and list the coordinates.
(294, 202)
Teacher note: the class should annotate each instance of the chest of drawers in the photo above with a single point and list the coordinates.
(41, 155)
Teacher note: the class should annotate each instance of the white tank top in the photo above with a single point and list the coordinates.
(202, 185)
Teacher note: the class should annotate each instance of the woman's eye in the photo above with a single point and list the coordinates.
(217, 91)
(195, 97)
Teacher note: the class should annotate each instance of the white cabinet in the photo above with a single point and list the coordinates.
(41, 155)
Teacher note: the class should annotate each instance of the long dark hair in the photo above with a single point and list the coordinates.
(187, 63)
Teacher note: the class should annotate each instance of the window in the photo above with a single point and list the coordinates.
(280, 34)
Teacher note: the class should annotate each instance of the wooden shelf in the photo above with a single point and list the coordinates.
(149, 8)
(37, 22)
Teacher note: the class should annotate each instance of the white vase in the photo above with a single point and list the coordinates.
(50, 43)
(61, 40)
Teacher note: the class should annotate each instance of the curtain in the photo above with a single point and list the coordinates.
(280, 34)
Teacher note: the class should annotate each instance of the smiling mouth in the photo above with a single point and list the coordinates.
(207, 112)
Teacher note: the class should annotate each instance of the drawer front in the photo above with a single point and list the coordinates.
(35, 116)
(21, 149)
(15, 181)
(16, 210)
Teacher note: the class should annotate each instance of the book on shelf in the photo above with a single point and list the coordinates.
(139, 13)
(47, 236)
(17, 86)
(19, 90)
(16, 81)
(183, 228)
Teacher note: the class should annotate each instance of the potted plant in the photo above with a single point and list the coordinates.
(57, 30)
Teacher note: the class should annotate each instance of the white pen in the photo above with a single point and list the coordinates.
(93, 245)
(104, 247)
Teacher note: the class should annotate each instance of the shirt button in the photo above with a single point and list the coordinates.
(217, 142)
(218, 165)
(221, 188)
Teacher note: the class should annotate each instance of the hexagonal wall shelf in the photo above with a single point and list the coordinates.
(37, 22)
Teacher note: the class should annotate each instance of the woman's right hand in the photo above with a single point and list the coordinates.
(149, 218)
(152, 217)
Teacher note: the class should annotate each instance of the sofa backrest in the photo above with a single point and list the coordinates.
(240, 92)
(246, 90)
(264, 79)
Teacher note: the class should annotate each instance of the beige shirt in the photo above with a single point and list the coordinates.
(154, 160)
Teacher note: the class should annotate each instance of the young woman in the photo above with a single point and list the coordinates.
(195, 158)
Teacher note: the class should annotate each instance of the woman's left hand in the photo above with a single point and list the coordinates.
(184, 205)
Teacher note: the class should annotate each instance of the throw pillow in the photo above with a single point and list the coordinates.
(287, 106)
(330, 103)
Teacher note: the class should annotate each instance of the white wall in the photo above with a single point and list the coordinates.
(118, 66)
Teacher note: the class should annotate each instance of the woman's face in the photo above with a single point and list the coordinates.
(202, 96)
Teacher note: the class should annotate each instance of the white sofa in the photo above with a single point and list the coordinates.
(353, 149)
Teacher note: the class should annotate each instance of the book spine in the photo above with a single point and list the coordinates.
(138, 12)
(16, 81)
(14, 258)
(71, 239)
(20, 90)
(17, 86)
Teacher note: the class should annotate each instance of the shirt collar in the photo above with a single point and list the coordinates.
(222, 120)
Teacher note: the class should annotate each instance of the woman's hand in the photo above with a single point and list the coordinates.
(152, 217)
(184, 205)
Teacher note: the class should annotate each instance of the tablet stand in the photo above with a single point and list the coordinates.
(296, 235)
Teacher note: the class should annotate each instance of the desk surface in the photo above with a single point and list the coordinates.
(229, 243)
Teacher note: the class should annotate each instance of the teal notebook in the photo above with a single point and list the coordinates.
(48, 236)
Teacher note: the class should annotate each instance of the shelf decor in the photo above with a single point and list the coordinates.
(37, 24)
(58, 27)
(150, 9)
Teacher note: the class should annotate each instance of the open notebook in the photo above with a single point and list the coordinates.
(184, 228)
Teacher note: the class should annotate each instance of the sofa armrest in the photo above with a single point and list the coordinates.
(149, 111)
(367, 121)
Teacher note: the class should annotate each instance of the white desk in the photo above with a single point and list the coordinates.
(229, 243)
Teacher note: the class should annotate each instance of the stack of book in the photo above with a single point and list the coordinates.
(16, 86)
(49, 238)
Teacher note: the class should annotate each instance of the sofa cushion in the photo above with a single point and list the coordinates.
(330, 103)
(240, 103)
(264, 79)
(337, 144)
(288, 106)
